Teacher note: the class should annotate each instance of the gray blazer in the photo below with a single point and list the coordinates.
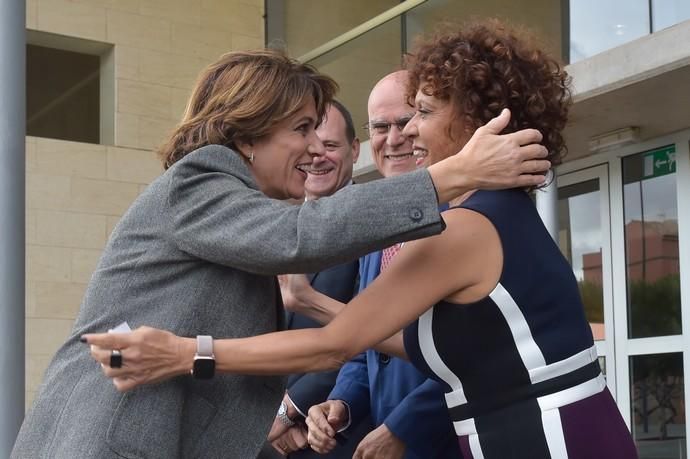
(197, 253)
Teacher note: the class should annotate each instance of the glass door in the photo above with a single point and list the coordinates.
(653, 302)
(624, 226)
(584, 239)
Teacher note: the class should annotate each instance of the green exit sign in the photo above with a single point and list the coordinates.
(660, 162)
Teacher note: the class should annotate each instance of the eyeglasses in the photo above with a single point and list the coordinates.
(382, 128)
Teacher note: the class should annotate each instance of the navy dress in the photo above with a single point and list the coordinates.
(520, 366)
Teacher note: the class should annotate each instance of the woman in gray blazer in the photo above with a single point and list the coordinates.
(198, 252)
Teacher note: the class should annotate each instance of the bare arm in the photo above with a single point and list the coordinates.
(307, 301)
(300, 297)
(423, 273)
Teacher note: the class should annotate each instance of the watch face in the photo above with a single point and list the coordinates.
(204, 367)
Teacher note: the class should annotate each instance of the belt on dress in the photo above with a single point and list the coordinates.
(559, 384)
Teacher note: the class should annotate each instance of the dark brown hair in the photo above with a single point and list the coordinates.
(347, 116)
(486, 66)
(241, 97)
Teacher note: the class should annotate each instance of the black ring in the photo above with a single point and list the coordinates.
(115, 359)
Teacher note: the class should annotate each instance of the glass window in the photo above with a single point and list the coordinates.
(542, 17)
(303, 25)
(651, 243)
(658, 405)
(596, 26)
(580, 240)
(65, 105)
(666, 13)
(359, 64)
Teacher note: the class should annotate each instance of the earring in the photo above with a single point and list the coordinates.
(251, 156)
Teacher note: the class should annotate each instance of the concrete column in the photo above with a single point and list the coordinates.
(547, 206)
(12, 170)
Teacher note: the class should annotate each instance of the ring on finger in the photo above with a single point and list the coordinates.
(115, 359)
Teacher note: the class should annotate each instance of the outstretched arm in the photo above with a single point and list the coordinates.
(300, 297)
(423, 273)
(151, 355)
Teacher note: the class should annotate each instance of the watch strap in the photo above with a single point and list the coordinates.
(204, 346)
(283, 417)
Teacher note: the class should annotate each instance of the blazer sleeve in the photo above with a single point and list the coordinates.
(311, 389)
(352, 387)
(425, 403)
(216, 214)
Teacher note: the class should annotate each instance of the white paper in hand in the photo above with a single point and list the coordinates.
(122, 328)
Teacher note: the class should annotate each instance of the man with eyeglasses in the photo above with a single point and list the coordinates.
(408, 409)
(388, 115)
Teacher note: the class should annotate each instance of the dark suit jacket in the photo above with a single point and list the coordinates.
(307, 389)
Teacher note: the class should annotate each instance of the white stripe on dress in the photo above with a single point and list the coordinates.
(572, 394)
(530, 353)
(476, 447)
(551, 416)
(534, 362)
(564, 366)
(434, 361)
(553, 431)
(465, 427)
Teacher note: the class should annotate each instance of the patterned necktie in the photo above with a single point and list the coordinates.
(388, 254)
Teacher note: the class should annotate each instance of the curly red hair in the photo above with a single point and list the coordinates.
(484, 67)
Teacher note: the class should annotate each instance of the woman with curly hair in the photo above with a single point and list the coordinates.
(490, 307)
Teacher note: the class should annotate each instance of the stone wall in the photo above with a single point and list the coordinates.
(76, 192)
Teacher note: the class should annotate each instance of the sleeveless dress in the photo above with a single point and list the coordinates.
(520, 366)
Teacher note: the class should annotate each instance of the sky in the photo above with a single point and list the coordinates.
(598, 25)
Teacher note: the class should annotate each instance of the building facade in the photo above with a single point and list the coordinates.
(622, 211)
(147, 56)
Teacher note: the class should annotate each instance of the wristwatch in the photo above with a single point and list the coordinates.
(204, 361)
(283, 416)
